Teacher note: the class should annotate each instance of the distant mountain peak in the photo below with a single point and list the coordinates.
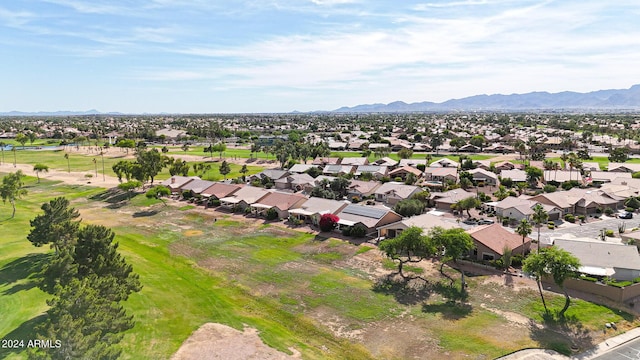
(614, 100)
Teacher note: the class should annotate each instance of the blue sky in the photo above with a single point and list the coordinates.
(206, 56)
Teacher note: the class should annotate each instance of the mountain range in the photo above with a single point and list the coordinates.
(614, 100)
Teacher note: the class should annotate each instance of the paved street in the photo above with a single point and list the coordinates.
(627, 351)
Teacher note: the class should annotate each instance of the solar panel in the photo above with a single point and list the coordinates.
(364, 211)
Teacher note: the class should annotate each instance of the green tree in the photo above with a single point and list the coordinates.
(244, 170)
(478, 141)
(224, 169)
(557, 263)
(524, 229)
(123, 168)
(619, 154)
(405, 153)
(465, 183)
(185, 147)
(158, 192)
(129, 186)
(411, 246)
(501, 193)
(540, 216)
(219, 148)
(178, 167)
(126, 144)
(409, 207)
(533, 175)
(457, 143)
(152, 163)
(12, 189)
(455, 243)
(56, 226)
(467, 204)
(32, 136)
(38, 168)
(22, 139)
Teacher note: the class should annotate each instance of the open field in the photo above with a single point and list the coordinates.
(322, 297)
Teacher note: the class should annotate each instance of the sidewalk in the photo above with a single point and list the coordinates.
(603, 347)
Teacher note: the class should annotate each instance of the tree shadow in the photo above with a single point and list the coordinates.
(406, 291)
(450, 310)
(111, 196)
(566, 335)
(25, 268)
(145, 213)
(25, 332)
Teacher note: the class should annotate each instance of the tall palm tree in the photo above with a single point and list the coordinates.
(524, 228)
(540, 216)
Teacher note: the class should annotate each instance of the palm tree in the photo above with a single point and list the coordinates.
(2, 145)
(38, 168)
(66, 156)
(540, 216)
(524, 228)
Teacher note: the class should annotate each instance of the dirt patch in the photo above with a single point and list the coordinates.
(191, 233)
(217, 341)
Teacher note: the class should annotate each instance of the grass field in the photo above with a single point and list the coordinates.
(298, 291)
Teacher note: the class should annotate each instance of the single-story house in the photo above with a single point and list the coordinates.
(301, 168)
(424, 221)
(273, 174)
(175, 182)
(338, 169)
(354, 161)
(441, 174)
(311, 210)
(445, 162)
(481, 175)
(516, 175)
(279, 201)
(603, 259)
(444, 200)
(412, 162)
(386, 161)
(505, 165)
(561, 176)
(482, 164)
(295, 182)
(394, 192)
(519, 208)
(220, 190)
(378, 171)
(623, 167)
(197, 186)
(403, 172)
(362, 189)
(606, 176)
(322, 161)
(244, 197)
(369, 217)
(491, 241)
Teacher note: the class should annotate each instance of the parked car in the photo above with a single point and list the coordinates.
(625, 215)
(470, 222)
(485, 222)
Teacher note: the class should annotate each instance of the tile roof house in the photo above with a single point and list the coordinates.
(300, 168)
(369, 217)
(279, 201)
(220, 190)
(579, 201)
(354, 161)
(394, 192)
(322, 161)
(505, 165)
(403, 172)
(197, 186)
(482, 164)
(515, 175)
(484, 176)
(273, 174)
(606, 176)
(491, 240)
(424, 221)
(519, 208)
(412, 162)
(175, 182)
(444, 200)
(441, 174)
(362, 189)
(598, 258)
(244, 197)
(295, 182)
(338, 169)
(386, 161)
(560, 176)
(378, 171)
(312, 209)
(623, 167)
(445, 162)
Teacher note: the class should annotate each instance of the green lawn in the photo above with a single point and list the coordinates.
(287, 284)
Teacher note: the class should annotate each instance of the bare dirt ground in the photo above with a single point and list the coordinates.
(217, 341)
(73, 178)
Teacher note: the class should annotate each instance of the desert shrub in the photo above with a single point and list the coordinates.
(516, 260)
(358, 231)
(608, 233)
(271, 214)
(582, 218)
(570, 218)
(608, 211)
(549, 188)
